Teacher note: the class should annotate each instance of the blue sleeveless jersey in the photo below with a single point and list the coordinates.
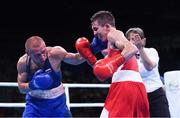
(56, 76)
(53, 107)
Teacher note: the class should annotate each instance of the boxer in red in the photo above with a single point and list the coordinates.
(127, 95)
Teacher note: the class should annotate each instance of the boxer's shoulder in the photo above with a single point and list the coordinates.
(22, 63)
(23, 59)
(56, 52)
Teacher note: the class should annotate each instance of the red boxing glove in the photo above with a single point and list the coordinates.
(83, 47)
(105, 68)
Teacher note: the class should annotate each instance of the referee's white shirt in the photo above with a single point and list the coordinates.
(151, 78)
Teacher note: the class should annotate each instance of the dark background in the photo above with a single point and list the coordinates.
(62, 22)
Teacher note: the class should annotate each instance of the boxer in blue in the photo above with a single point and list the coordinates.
(40, 78)
(97, 45)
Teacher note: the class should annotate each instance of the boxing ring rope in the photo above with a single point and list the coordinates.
(66, 86)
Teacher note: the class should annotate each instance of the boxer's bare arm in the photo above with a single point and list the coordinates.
(119, 40)
(22, 75)
(73, 58)
(68, 57)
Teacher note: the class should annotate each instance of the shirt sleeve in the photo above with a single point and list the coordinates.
(152, 54)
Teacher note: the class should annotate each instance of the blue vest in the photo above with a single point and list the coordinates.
(56, 76)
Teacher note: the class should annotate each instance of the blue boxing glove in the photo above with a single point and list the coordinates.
(40, 80)
(97, 45)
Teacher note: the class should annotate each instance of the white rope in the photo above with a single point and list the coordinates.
(12, 104)
(67, 86)
(87, 85)
(86, 105)
(70, 105)
(8, 84)
(14, 84)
